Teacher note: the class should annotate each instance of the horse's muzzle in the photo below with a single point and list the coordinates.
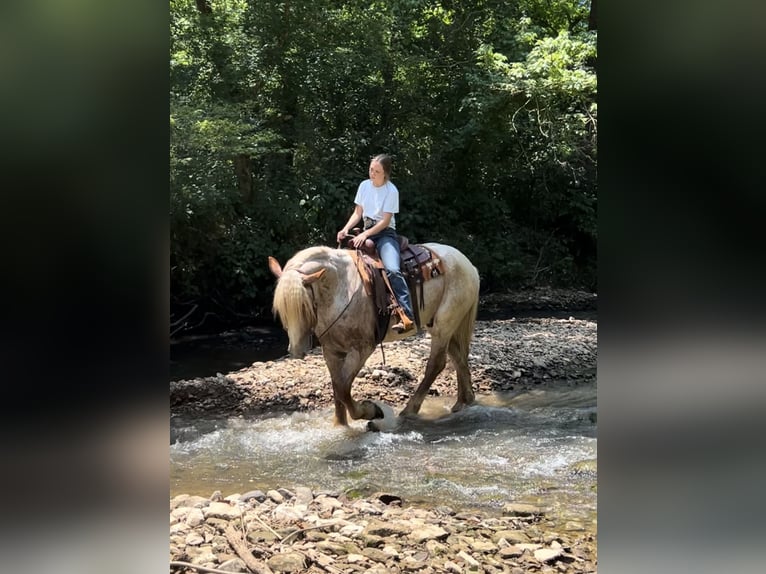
(296, 353)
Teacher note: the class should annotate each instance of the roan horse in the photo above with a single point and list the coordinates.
(320, 292)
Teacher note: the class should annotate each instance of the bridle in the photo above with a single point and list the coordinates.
(319, 337)
(313, 298)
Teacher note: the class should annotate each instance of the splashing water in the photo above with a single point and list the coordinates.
(537, 447)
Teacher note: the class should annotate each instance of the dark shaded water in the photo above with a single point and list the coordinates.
(195, 357)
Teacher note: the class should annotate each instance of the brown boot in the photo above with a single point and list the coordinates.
(404, 325)
(401, 328)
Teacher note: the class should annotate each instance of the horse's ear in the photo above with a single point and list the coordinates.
(275, 267)
(309, 279)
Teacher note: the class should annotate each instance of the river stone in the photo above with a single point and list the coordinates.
(480, 545)
(435, 548)
(428, 532)
(190, 501)
(548, 554)
(275, 496)
(178, 514)
(379, 528)
(287, 562)
(179, 528)
(510, 552)
(195, 517)
(234, 565)
(574, 526)
(204, 557)
(415, 563)
(468, 559)
(351, 530)
(390, 551)
(194, 539)
(366, 507)
(375, 554)
(303, 495)
(327, 502)
(288, 494)
(330, 547)
(516, 509)
(510, 536)
(222, 510)
(261, 535)
(372, 540)
(253, 495)
(284, 513)
(177, 501)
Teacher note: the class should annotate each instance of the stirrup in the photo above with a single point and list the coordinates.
(400, 327)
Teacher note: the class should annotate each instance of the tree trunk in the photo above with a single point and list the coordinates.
(204, 7)
(244, 177)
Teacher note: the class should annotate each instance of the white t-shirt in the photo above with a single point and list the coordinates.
(378, 200)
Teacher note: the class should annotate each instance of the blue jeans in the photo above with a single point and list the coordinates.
(388, 249)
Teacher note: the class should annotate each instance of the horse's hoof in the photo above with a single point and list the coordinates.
(457, 407)
(377, 409)
(372, 427)
(386, 420)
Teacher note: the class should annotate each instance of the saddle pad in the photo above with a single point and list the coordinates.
(419, 263)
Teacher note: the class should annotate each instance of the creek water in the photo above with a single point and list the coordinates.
(531, 446)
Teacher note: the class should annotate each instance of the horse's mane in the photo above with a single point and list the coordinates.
(292, 301)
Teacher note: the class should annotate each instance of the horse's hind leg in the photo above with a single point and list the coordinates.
(459, 356)
(436, 362)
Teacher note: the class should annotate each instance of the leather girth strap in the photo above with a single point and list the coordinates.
(379, 289)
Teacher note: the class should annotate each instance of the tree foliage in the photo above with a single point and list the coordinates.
(488, 108)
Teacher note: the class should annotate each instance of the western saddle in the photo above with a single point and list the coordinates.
(418, 265)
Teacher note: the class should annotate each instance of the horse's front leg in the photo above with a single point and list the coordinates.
(343, 367)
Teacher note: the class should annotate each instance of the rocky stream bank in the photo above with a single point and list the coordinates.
(297, 529)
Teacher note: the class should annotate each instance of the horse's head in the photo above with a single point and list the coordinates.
(294, 304)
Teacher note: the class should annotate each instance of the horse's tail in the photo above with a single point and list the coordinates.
(293, 304)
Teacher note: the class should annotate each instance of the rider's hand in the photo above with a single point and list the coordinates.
(341, 235)
(359, 240)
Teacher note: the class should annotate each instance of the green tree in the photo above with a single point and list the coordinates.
(489, 109)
